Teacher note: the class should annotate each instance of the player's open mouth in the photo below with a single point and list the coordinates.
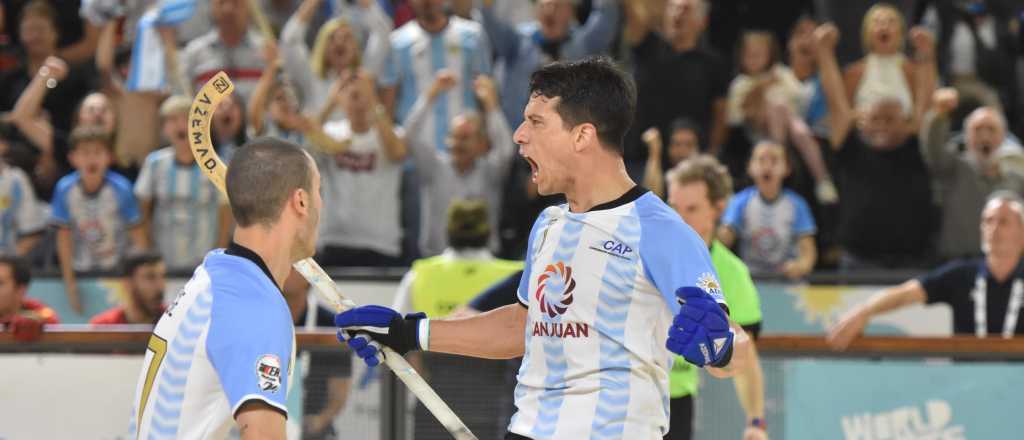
(533, 168)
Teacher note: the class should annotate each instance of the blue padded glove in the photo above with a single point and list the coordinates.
(365, 328)
(700, 332)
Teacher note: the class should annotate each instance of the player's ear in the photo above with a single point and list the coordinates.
(584, 135)
(299, 200)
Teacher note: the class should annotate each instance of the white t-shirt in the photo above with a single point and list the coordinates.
(361, 193)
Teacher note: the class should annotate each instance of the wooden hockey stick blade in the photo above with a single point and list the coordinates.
(200, 118)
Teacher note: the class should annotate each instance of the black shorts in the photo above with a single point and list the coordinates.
(680, 422)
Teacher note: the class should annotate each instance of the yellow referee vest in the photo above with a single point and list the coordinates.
(444, 284)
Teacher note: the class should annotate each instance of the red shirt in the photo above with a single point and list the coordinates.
(36, 309)
(116, 315)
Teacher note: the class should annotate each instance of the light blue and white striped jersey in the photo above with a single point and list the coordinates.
(20, 212)
(768, 231)
(98, 221)
(186, 208)
(227, 339)
(415, 58)
(600, 288)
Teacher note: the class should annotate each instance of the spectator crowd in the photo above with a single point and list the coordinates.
(853, 144)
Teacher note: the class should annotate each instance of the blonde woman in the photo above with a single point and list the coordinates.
(354, 39)
(885, 74)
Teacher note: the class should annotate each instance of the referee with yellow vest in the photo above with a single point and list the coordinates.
(439, 285)
(698, 189)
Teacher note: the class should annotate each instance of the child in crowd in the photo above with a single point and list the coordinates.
(766, 98)
(94, 210)
(773, 225)
(185, 215)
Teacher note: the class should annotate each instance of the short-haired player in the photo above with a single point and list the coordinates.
(599, 301)
(222, 353)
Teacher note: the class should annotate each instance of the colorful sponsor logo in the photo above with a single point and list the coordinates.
(554, 289)
(268, 373)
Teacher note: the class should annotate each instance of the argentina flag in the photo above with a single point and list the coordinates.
(148, 71)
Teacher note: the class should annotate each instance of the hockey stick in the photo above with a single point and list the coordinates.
(200, 115)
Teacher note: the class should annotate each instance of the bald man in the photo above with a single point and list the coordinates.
(965, 176)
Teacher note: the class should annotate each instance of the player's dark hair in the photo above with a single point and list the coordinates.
(19, 268)
(263, 174)
(707, 169)
(592, 91)
(134, 260)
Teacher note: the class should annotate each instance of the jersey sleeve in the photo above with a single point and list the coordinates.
(803, 223)
(60, 214)
(953, 278)
(522, 293)
(250, 347)
(674, 256)
(733, 216)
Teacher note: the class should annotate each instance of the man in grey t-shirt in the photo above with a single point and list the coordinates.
(474, 165)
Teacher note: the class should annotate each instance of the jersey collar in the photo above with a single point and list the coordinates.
(634, 193)
(238, 250)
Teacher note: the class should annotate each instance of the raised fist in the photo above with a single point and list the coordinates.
(54, 68)
(945, 100)
(923, 42)
(444, 81)
(486, 91)
(826, 36)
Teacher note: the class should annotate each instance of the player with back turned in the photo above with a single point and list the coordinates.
(224, 350)
(604, 276)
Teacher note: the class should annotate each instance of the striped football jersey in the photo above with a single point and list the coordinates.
(600, 288)
(226, 340)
